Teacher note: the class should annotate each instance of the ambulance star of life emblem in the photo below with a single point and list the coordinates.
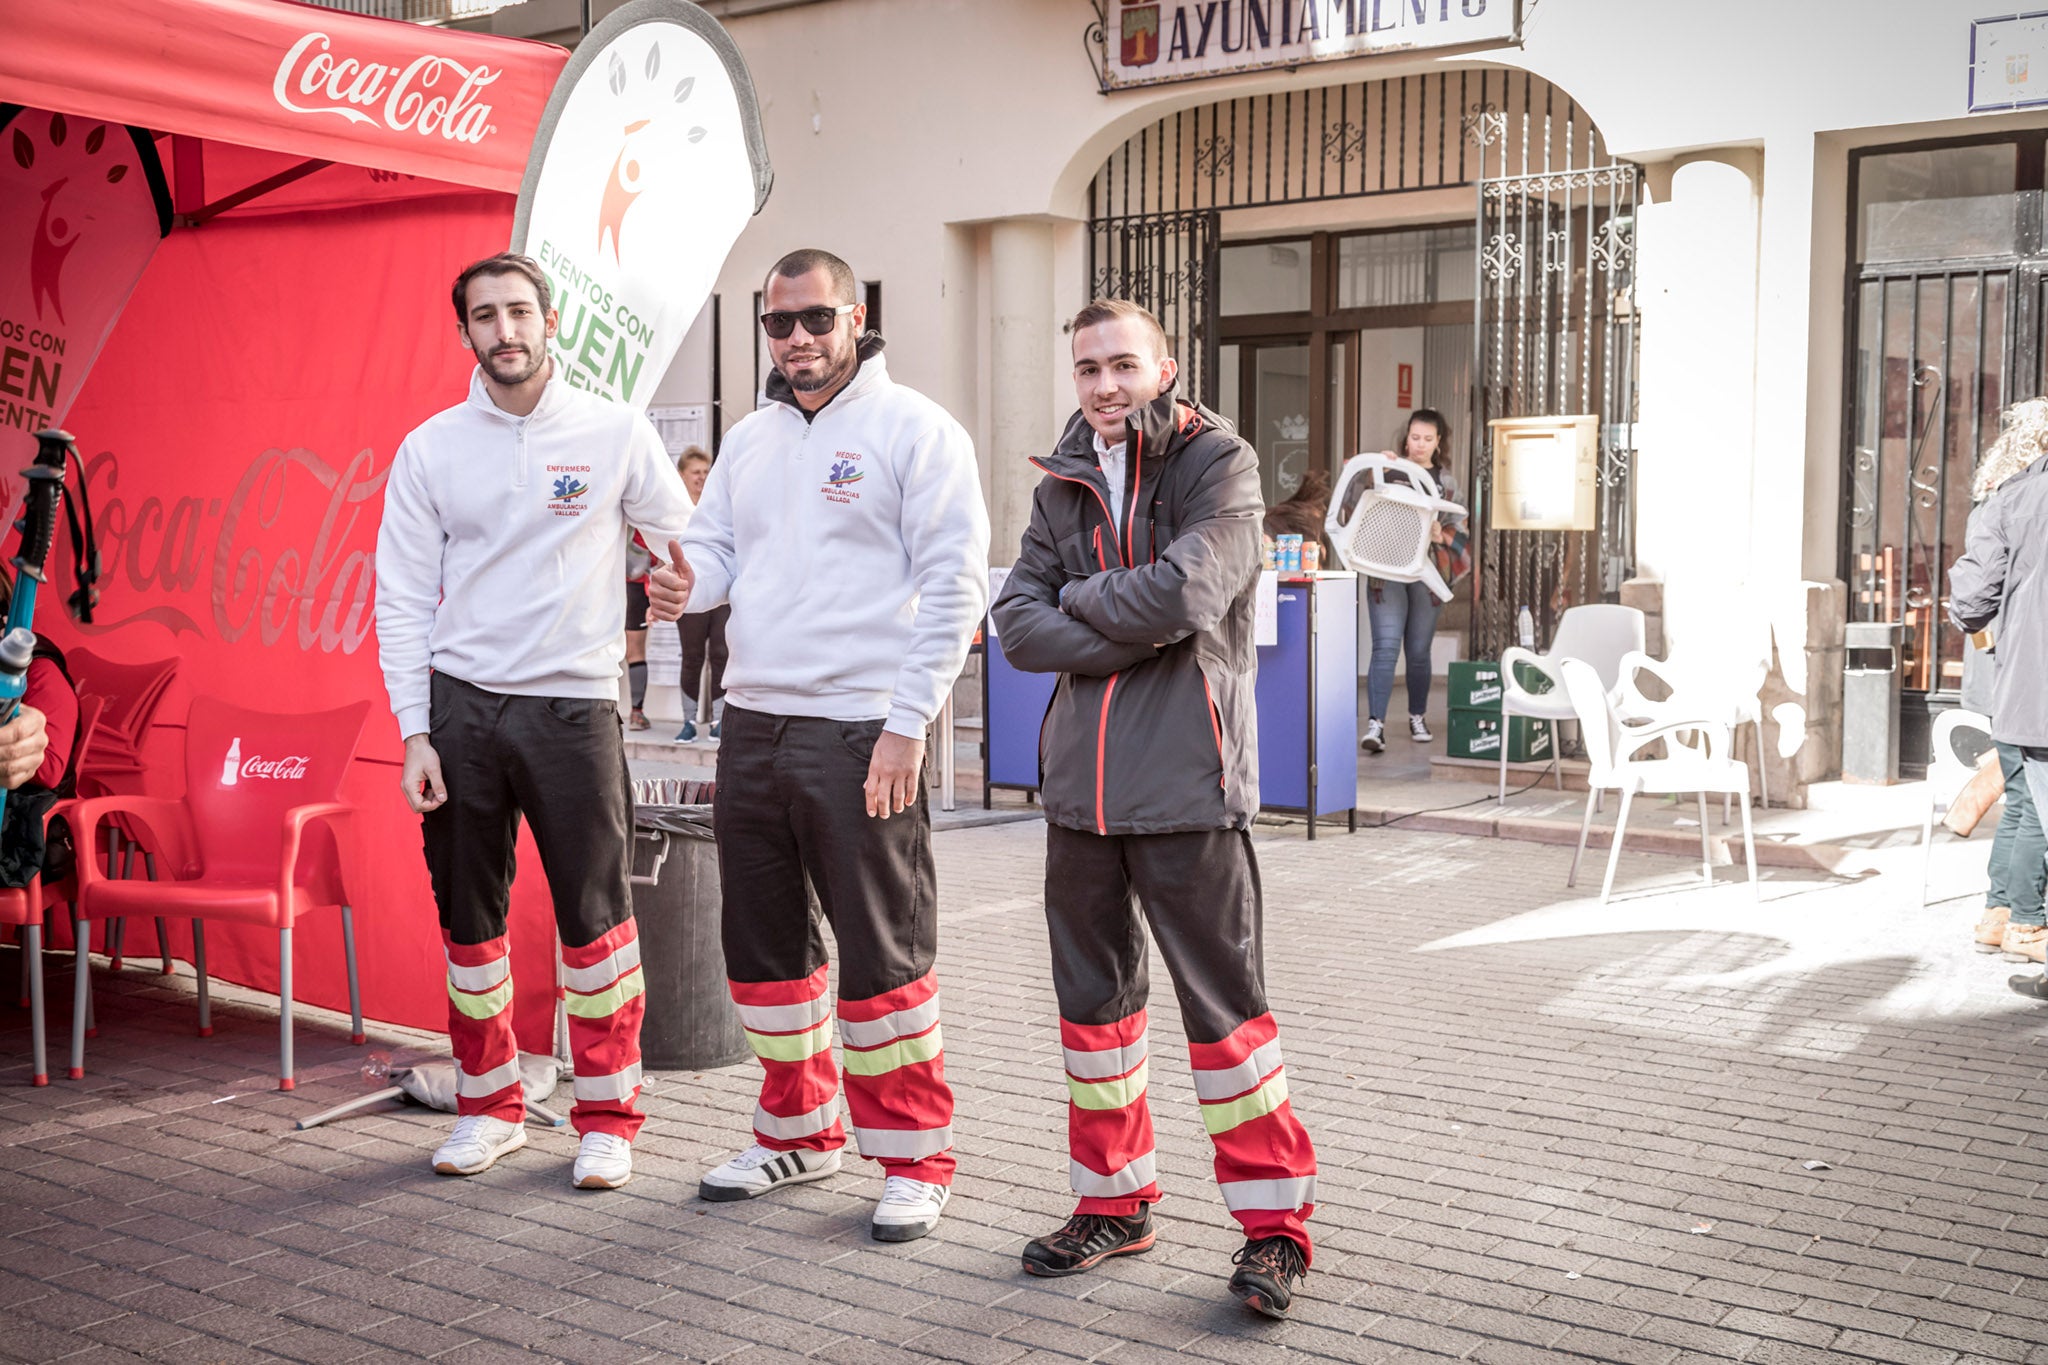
(1140, 35)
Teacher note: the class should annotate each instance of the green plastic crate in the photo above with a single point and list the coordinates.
(1474, 685)
(1476, 734)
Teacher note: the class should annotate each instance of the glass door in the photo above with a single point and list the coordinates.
(1265, 390)
(1944, 332)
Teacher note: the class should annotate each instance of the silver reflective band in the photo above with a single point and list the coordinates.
(801, 1126)
(1137, 1173)
(907, 1144)
(478, 979)
(620, 1085)
(1235, 1080)
(888, 1028)
(1239, 1195)
(490, 1083)
(596, 977)
(1108, 1062)
(796, 1018)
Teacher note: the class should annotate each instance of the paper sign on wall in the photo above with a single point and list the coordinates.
(1266, 611)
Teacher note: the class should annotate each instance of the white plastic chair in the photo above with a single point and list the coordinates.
(1948, 773)
(1387, 535)
(1601, 636)
(1731, 692)
(1612, 765)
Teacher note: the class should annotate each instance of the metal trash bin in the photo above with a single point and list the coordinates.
(1870, 702)
(690, 1024)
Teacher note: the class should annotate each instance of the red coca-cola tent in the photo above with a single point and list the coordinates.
(326, 176)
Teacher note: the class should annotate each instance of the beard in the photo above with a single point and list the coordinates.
(836, 364)
(512, 368)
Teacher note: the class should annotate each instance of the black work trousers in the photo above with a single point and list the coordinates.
(1199, 892)
(560, 762)
(791, 817)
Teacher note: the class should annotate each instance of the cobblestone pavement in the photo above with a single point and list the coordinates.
(1546, 1131)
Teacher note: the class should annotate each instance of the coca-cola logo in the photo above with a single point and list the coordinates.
(265, 560)
(430, 96)
(288, 769)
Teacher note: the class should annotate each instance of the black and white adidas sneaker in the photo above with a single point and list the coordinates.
(758, 1170)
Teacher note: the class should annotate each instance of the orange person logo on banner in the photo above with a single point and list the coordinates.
(649, 163)
(83, 205)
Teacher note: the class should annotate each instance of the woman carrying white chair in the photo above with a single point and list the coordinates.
(1613, 764)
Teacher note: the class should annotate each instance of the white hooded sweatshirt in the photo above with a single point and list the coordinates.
(853, 548)
(502, 557)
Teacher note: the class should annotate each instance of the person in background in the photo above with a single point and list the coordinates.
(35, 747)
(703, 632)
(2013, 922)
(638, 564)
(1404, 614)
(25, 745)
(2003, 577)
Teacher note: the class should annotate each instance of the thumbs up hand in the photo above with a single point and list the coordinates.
(668, 587)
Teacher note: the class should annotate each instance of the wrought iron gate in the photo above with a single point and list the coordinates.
(1556, 335)
(1165, 262)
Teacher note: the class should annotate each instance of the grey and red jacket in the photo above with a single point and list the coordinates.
(1152, 728)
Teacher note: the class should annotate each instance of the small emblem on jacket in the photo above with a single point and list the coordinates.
(564, 499)
(844, 474)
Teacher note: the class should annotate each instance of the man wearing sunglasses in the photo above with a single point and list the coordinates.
(843, 523)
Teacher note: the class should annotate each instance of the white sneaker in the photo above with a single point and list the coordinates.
(1375, 737)
(603, 1162)
(1418, 730)
(909, 1209)
(478, 1140)
(758, 1170)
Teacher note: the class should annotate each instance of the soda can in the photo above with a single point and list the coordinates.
(1311, 556)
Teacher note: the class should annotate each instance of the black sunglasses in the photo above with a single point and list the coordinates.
(816, 321)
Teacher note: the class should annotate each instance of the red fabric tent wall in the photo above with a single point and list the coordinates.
(238, 430)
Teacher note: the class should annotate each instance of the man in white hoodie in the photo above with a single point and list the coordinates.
(501, 567)
(843, 522)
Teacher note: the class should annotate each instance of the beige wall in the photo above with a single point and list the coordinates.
(945, 147)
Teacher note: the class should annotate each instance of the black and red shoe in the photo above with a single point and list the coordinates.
(1268, 1268)
(1087, 1240)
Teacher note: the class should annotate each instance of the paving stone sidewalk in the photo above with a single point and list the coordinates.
(1546, 1131)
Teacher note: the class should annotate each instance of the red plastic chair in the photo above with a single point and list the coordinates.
(24, 908)
(237, 846)
(132, 692)
(113, 761)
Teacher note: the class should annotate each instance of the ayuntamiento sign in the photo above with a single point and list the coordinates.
(1152, 42)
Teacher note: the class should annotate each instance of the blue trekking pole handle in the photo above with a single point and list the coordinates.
(38, 527)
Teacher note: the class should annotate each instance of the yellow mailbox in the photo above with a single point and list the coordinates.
(1544, 473)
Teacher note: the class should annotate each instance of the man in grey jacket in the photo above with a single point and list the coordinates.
(2004, 574)
(1135, 583)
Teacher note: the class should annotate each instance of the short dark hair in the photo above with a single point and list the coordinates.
(1099, 311)
(804, 260)
(504, 263)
